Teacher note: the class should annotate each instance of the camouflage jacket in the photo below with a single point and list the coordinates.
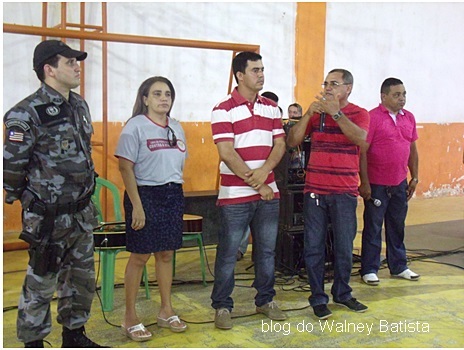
(47, 149)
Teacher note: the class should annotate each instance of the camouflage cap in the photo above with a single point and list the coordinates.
(49, 48)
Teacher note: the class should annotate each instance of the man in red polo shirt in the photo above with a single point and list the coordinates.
(338, 129)
(384, 168)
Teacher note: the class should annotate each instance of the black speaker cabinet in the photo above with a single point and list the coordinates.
(291, 210)
(290, 252)
(291, 170)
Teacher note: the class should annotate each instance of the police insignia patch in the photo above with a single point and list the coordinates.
(16, 136)
(64, 145)
(52, 110)
(18, 123)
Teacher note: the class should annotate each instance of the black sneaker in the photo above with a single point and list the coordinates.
(353, 305)
(34, 344)
(322, 311)
(76, 338)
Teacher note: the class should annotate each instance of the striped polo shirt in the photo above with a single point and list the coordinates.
(252, 127)
(333, 165)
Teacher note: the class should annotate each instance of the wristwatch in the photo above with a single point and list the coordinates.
(415, 179)
(337, 115)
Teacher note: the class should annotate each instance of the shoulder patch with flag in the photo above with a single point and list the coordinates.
(16, 136)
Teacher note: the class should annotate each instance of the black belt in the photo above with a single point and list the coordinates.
(169, 184)
(40, 208)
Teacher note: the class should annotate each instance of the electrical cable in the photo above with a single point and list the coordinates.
(183, 282)
(281, 280)
(436, 251)
(442, 263)
(96, 289)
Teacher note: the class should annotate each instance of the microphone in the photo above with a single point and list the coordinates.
(322, 122)
(375, 201)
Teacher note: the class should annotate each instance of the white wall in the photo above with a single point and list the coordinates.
(200, 77)
(420, 43)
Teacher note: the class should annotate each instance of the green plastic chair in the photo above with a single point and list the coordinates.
(193, 229)
(108, 253)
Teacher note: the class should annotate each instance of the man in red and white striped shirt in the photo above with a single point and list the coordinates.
(247, 131)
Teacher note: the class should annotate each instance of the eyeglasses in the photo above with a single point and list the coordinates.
(333, 84)
(172, 139)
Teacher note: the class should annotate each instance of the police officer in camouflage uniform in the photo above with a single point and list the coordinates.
(48, 167)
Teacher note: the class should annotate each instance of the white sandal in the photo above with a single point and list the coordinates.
(168, 323)
(129, 332)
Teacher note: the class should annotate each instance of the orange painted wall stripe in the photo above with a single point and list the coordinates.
(309, 51)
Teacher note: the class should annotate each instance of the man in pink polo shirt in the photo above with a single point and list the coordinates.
(383, 170)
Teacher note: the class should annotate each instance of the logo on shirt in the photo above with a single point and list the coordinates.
(65, 146)
(181, 145)
(157, 144)
(52, 110)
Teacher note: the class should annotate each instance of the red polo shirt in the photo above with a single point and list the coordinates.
(333, 165)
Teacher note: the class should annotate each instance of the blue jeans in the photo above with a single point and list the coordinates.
(340, 209)
(244, 242)
(393, 211)
(263, 219)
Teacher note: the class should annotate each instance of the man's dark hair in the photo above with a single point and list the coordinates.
(346, 75)
(270, 95)
(297, 105)
(240, 62)
(52, 61)
(388, 83)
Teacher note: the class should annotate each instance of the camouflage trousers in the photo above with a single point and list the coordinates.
(74, 283)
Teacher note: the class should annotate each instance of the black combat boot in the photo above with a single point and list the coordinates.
(76, 338)
(34, 344)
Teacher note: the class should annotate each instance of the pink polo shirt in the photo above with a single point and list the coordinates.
(390, 144)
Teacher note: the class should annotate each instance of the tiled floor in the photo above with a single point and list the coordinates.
(427, 313)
